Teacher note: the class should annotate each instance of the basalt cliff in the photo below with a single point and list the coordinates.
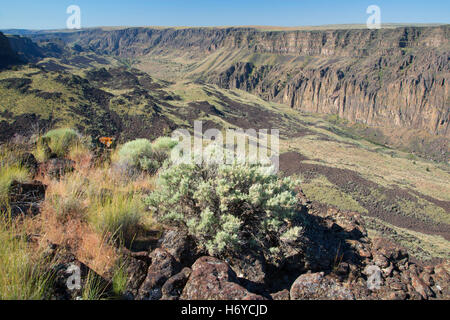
(397, 77)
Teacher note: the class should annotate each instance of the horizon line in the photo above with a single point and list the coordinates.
(299, 27)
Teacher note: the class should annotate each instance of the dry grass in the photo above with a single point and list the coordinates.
(22, 269)
(92, 209)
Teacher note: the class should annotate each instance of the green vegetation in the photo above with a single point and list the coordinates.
(422, 246)
(119, 280)
(22, 275)
(118, 216)
(94, 287)
(136, 154)
(323, 191)
(229, 207)
(10, 170)
(59, 142)
(142, 155)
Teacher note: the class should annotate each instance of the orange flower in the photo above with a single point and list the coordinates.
(106, 141)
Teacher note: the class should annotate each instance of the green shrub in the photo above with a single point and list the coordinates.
(142, 155)
(59, 142)
(227, 208)
(164, 144)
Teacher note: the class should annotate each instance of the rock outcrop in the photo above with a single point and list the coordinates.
(350, 266)
(7, 55)
(212, 279)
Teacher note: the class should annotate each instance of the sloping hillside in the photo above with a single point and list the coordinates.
(400, 196)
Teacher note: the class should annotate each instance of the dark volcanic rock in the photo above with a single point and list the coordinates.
(173, 287)
(28, 161)
(66, 271)
(281, 295)
(180, 246)
(136, 271)
(162, 268)
(317, 286)
(26, 192)
(26, 198)
(212, 279)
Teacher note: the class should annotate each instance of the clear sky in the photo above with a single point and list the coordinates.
(51, 14)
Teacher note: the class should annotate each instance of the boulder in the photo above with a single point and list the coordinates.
(317, 286)
(281, 295)
(441, 280)
(213, 279)
(250, 268)
(136, 271)
(26, 198)
(163, 267)
(66, 286)
(420, 287)
(173, 287)
(180, 245)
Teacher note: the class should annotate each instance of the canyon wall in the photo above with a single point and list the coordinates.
(395, 77)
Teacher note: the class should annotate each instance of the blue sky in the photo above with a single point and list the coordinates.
(51, 14)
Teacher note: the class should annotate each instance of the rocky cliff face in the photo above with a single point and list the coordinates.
(7, 56)
(357, 76)
(390, 77)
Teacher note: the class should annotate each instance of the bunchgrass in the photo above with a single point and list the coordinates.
(119, 280)
(23, 275)
(118, 216)
(60, 142)
(10, 171)
(95, 288)
(68, 197)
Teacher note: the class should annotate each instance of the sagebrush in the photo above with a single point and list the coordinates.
(228, 208)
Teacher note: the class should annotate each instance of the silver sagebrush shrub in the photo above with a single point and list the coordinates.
(143, 155)
(227, 208)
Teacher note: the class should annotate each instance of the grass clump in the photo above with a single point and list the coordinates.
(227, 208)
(142, 155)
(119, 280)
(69, 197)
(58, 142)
(118, 216)
(94, 288)
(22, 272)
(10, 170)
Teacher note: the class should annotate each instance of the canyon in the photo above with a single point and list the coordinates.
(393, 78)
